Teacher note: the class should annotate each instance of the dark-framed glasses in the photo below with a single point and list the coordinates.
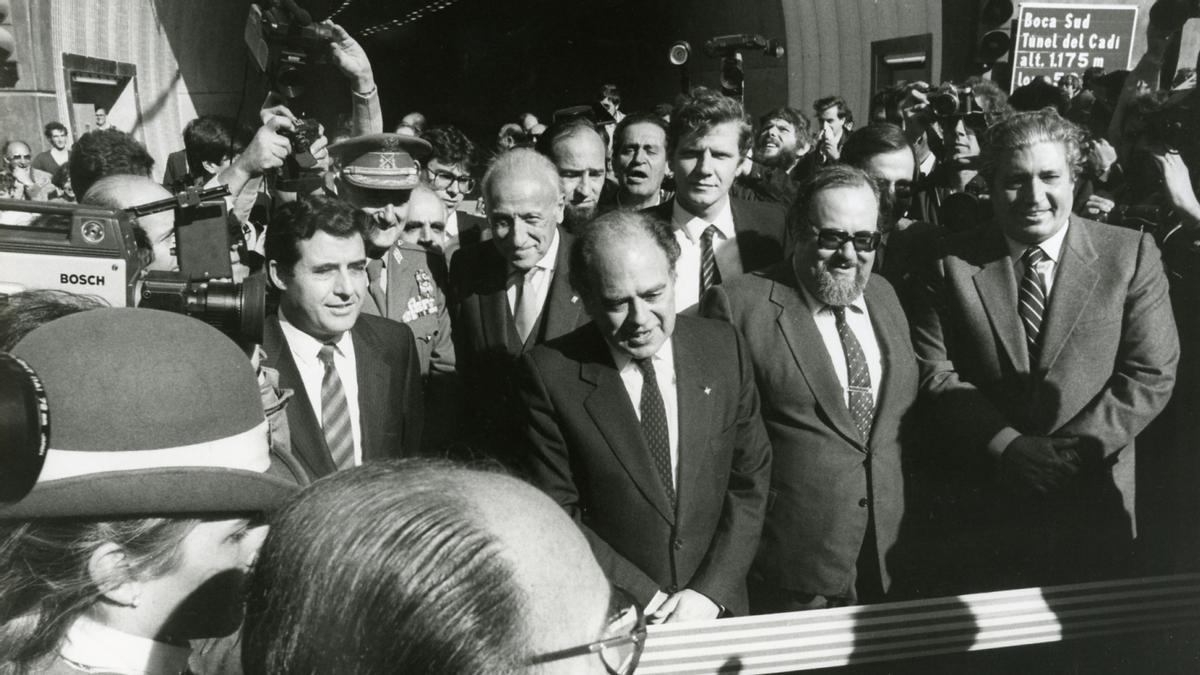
(18, 156)
(621, 644)
(833, 240)
(443, 179)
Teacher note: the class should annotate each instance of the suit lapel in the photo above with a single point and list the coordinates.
(376, 298)
(694, 392)
(373, 383)
(612, 413)
(888, 327)
(997, 288)
(800, 332)
(1074, 281)
(494, 312)
(396, 297)
(308, 441)
(560, 315)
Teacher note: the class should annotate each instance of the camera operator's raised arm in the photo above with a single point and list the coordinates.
(352, 61)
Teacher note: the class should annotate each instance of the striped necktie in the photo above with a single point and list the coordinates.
(335, 413)
(709, 274)
(1031, 304)
(858, 377)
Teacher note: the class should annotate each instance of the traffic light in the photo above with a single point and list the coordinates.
(993, 38)
(8, 46)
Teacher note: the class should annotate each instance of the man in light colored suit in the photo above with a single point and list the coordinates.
(1046, 344)
(645, 427)
(835, 368)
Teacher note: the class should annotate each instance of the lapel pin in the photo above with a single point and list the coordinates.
(707, 391)
(574, 299)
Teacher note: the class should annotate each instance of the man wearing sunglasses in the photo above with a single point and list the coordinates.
(29, 183)
(836, 372)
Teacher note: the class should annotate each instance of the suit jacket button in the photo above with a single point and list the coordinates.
(863, 502)
(678, 544)
(672, 589)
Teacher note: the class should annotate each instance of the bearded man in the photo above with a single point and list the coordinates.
(837, 377)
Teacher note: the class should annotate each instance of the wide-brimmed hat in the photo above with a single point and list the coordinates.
(151, 413)
(381, 161)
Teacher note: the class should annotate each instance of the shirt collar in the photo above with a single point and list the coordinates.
(549, 259)
(1052, 247)
(693, 227)
(305, 347)
(858, 305)
(100, 648)
(665, 354)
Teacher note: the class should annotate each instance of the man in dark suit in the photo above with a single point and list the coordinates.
(356, 378)
(1046, 344)
(719, 237)
(837, 375)
(510, 293)
(645, 427)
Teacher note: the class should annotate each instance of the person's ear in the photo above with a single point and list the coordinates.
(277, 276)
(109, 572)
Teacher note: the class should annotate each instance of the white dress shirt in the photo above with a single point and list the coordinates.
(93, 647)
(688, 230)
(859, 321)
(304, 349)
(543, 272)
(664, 372)
(1047, 269)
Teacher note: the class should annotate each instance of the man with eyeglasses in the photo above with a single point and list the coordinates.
(883, 151)
(837, 376)
(645, 428)
(28, 182)
(450, 172)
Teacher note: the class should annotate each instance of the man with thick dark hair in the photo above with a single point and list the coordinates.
(357, 377)
(835, 368)
(210, 144)
(720, 237)
(783, 140)
(451, 172)
(645, 427)
(106, 153)
(58, 154)
(639, 163)
(1047, 344)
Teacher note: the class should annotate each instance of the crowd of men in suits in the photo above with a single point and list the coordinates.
(762, 405)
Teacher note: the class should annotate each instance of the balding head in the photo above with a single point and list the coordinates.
(422, 566)
(524, 206)
(125, 191)
(425, 220)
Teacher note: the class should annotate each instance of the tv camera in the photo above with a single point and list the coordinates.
(92, 250)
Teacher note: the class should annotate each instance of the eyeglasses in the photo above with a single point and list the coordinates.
(832, 240)
(623, 640)
(443, 179)
(19, 156)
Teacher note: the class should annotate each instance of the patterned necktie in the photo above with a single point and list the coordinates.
(862, 403)
(1031, 304)
(526, 308)
(709, 274)
(654, 426)
(335, 413)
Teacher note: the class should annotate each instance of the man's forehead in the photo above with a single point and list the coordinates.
(846, 203)
(641, 130)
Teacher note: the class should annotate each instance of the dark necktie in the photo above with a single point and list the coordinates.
(709, 274)
(654, 426)
(862, 403)
(335, 413)
(1031, 304)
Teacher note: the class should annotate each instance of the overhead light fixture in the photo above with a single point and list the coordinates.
(94, 79)
(917, 58)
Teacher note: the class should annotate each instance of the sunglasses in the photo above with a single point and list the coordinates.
(19, 156)
(833, 240)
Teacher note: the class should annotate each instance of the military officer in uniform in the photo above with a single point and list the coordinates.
(380, 174)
